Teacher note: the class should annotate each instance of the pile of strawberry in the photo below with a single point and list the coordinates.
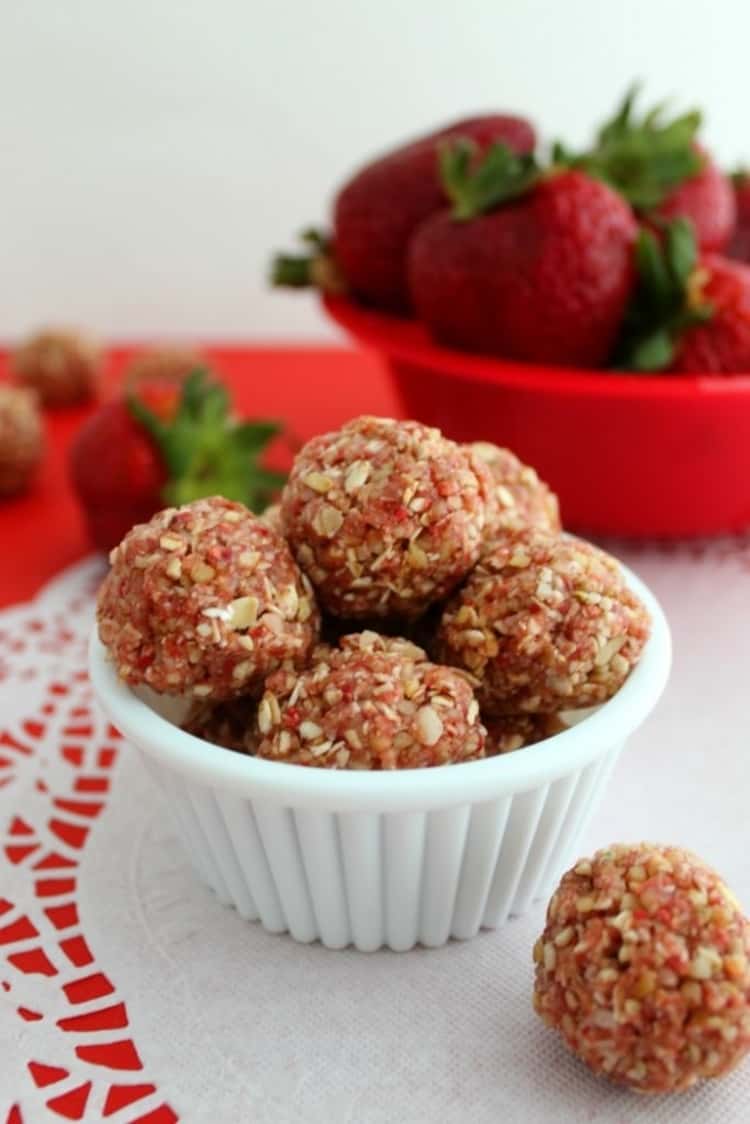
(615, 257)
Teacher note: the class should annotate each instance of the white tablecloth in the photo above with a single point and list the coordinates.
(213, 1019)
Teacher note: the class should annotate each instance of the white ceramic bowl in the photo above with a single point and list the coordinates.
(386, 858)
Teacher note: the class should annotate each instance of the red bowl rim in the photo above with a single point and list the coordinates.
(407, 341)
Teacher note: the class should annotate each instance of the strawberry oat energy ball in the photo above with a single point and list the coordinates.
(546, 624)
(523, 500)
(205, 600)
(644, 968)
(385, 516)
(372, 703)
(61, 366)
(21, 438)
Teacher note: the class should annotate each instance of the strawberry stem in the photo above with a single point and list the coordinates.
(477, 184)
(667, 299)
(316, 268)
(206, 450)
(644, 159)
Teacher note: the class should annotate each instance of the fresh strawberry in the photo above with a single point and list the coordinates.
(377, 211)
(661, 170)
(688, 313)
(739, 247)
(117, 473)
(528, 266)
(166, 445)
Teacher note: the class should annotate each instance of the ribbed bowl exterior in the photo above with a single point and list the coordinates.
(393, 879)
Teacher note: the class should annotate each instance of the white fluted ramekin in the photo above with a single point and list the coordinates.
(385, 858)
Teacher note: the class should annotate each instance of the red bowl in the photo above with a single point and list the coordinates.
(664, 456)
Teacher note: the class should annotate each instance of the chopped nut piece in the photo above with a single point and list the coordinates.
(318, 482)
(356, 476)
(244, 612)
(429, 725)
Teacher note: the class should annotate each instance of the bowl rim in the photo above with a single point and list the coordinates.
(407, 341)
(400, 790)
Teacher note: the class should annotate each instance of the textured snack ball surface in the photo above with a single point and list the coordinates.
(21, 438)
(372, 703)
(205, 600)
(644, 968)
(61, 366)
(523, 500)
(545, 624)
(385, 516)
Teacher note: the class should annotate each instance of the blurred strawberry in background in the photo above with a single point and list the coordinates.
(377, 211)
(166, 443)
(739, 246)
(690, 312)
(657, 164)
(531, 266)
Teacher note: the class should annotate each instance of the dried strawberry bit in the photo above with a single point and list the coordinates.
(644, 968)
(374, 702)
(545, 624)
(385, 516)
(182, 612)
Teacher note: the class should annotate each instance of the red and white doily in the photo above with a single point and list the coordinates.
(127, 993)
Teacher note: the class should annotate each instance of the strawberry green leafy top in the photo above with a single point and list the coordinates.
(643, 158)
(206, 450)
(667, 300)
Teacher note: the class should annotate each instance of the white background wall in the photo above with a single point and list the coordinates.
(154, 152)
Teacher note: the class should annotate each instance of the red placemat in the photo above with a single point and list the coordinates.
(310, 389)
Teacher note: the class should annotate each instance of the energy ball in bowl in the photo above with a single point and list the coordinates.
(545, 624)
(205, 600)
(523, 500)
(62, 366)
(272, 518)
(385, 516)
(373, 703)
(21, 438)
(644, 968)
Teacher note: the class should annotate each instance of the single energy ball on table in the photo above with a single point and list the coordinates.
(163, 364)
(21, 438)
(644, 968)
(372, 703)
(385, 516)
(205, 600)
(523, 500)
(545, 624)
(508, 732)
(62, 366)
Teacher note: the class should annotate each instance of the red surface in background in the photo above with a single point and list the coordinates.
(310, 389)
